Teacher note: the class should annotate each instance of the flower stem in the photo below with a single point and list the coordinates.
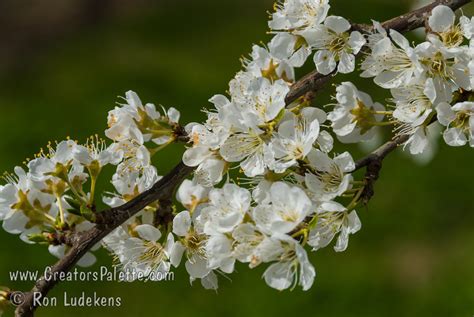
(61, 210)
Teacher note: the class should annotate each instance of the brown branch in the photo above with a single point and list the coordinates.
(373, 161)
(163, 190)
(373, 165)
(108, 221)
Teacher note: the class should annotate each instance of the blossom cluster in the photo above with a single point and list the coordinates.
(267, 184)
(58, 194)
(430, 81)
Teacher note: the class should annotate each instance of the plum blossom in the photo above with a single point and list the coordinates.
(333, 218)
(203, 155)
(392, 61)
(287, 208)
(459, 122)
(448, 67)
(279, 59)
(192, 244)
(335, 45)
(226, 209)
(133, 121)
(328, 178)
(414, 101)
(442, 22)
(296, 137)
(293, 267)
(141, 252)
(247, 144)
(355, 115)
(298, 16)
(95, 154)
(266, 179)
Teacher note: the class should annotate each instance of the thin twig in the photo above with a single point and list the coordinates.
(373, 165)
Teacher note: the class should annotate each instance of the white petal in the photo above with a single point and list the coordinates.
(176, 253)
(441, 19)
(325, 62)
(87, 260)
(148, 232)
(346, 63)
(337, 24)
(210, 281)
(197, 267)
(345, 162)
(279, 276)
(356, 41)
(195, 155)
(173, 114)
(81, 154)
(182, 223)
(307, 271)
(219, 101)
(454, 137)
(254, 165)
(15, 223)
(445, 113)
(57, 250)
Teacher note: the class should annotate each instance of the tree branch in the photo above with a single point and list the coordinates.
(163, 190)
(373, 165)
(108, 220)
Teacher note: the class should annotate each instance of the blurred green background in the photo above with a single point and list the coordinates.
(62, 66)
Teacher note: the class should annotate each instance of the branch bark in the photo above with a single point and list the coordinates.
(373, 165)
(108, 220)
(164, 189)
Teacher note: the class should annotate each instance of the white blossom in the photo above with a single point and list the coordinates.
(298, 16)
(279, 59)
(392, 61)
(295, 138)
(415, 100)
(293, 267)
(192, 244)
(335, 44)
(448, 67)
(287, 208)
(328, 178)
(226, 209)
(355, 114)
(333, 218)
(246, 145)
(459, 122)
(141, 253)
(442, 22)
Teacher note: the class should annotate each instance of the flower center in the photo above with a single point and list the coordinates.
(331, 179)
(462, 121)
(338, 43)
(154, 254)
(363, 116)
(194, 243)
(290, 216)
(438, 66)
(271, 71)
(453, 37)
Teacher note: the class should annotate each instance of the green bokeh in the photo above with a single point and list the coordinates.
(413, 256)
